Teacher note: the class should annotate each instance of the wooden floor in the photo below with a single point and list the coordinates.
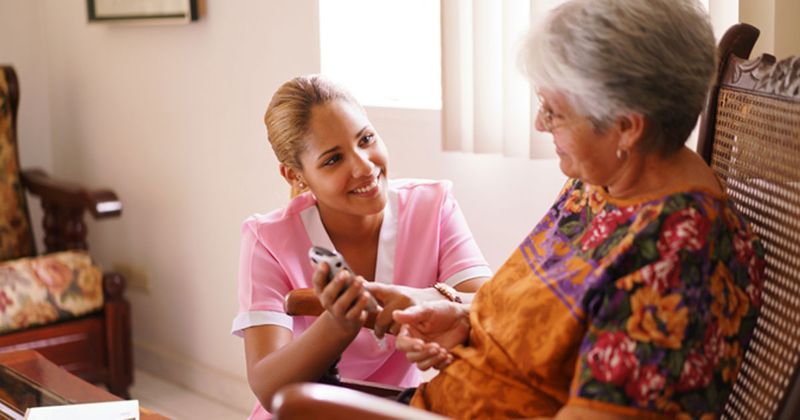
(177, 402)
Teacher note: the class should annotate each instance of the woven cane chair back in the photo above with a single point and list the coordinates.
(755, 151)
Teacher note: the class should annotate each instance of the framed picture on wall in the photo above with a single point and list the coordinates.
(144, 11)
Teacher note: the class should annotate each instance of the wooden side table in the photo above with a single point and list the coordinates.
(50, 377)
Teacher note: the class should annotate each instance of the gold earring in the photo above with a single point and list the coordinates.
(301, 185)
(622, 154)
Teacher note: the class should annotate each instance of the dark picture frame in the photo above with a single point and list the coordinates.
(152, 11)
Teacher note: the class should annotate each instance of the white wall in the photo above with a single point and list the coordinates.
(171, 118)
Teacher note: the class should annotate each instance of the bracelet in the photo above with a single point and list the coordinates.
(448, 292)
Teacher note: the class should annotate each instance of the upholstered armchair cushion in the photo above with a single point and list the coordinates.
(16, 237)
(53, 287)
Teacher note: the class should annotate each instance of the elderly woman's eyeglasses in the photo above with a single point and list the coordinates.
(549, 119)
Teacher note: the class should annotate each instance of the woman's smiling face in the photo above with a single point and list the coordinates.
(345, 161)
(584, 152)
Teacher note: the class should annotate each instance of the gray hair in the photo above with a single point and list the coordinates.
(609, 57)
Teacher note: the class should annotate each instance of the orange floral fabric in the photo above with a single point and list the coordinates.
(41, 290)
(640, 308)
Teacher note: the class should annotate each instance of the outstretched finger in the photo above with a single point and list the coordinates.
(407, 343)
(428, 358)
(394, 328)
(446, 362)
(380, 291)
(411, 314)
(384, 322)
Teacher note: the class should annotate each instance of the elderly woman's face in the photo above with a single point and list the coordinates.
(585, 153)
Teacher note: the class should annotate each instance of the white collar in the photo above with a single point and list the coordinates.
(387, 239)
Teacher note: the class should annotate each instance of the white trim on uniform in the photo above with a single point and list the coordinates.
(387, 241)
(469, 273)
(387, 238)
(314, 228)
(258, 318)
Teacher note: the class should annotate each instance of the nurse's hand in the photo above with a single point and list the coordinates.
(391, 299)
(430, 330)
(344, 297)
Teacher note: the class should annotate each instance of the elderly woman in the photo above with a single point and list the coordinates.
(636, 294)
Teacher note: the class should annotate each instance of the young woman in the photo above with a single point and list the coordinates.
(399, 233)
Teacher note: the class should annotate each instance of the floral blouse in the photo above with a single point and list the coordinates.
(640, 307)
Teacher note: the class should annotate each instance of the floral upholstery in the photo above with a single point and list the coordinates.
(53, 287)
(16, 237)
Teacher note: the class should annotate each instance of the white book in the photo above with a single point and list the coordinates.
(112, 410)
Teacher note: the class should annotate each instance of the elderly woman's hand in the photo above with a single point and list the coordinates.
(344, 297)
(430, 330)
(393, 298)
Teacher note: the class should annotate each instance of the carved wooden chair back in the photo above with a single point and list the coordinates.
(750, 135)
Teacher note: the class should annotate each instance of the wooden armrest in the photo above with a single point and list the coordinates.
(373, 388)
(304, 302)
(101, 203)
(307, 401)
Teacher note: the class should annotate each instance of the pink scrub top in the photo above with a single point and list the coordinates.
(424, 239)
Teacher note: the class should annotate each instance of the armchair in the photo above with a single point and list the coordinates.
(59, 303)
(750, 135)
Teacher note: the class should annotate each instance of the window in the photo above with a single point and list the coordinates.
(456, 55)
(386, 52)
(488, 104)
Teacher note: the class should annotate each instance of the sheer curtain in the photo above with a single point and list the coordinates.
(487, 104)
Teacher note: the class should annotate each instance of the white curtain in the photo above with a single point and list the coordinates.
(487, 104)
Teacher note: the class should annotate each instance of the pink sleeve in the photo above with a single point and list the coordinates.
(262, 283)
(459, 256)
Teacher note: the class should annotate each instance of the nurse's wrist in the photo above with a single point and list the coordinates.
(418, 295)
(340, 330)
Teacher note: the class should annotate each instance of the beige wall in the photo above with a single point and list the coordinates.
(761, 14)
(21, 45)
(787, 28)
(170, 117)
(778, 22)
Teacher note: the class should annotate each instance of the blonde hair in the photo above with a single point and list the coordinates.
(288, 115)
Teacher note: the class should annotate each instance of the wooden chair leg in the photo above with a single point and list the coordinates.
(118, 336)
